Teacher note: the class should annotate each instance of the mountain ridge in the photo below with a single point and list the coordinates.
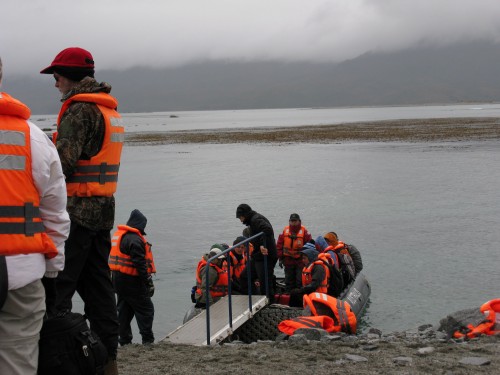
(460, 73)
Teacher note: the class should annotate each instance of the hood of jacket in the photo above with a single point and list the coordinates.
(138, 221)
(310, 252)
(88, 85)
(321, 243)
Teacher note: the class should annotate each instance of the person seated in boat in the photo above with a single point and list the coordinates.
(238, 260)
(217, 278)
(242, 281)
(288, 246)
(348, 256)
(315, 275)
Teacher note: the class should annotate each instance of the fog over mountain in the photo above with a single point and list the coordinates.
(467, 72)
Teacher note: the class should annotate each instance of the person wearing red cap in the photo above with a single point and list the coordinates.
(89, 141)
(33, 227)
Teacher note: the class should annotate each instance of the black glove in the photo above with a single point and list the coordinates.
(280, 262)
(150, 286)
(193, 294)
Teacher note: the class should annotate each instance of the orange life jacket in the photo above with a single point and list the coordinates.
(220, 287)
(327, 257)
(307, 276)
(122, 262)
(293, 242)
(335, 280)
(289, 326)
(21, 227)
(344, 319)
(237, 266)
(99, 175)
(490, 326)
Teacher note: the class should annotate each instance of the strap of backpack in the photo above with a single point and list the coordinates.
(4, 280)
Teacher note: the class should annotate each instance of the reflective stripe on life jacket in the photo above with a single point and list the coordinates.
(99, 175)
(122, 262)
(490, 326)
(307, 276)
(21, 227)
(289, 326)
(219, 289)
(322, 304)
(293, 242)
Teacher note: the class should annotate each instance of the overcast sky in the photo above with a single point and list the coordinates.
(125, 33)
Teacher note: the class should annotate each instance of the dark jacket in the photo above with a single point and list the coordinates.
(356, 258)
(80, 136)
(258, 223)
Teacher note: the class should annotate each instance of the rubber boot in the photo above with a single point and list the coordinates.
(111, 367)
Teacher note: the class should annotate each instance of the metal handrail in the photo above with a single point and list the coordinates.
(249, 279)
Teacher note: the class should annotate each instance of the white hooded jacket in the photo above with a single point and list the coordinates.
(49, 180)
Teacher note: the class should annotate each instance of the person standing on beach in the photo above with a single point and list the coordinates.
(290, 242)
(131, 262)
(33, 227)
(89, 141)
(258, 223)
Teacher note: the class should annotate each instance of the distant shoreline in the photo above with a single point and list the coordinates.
(417, 130)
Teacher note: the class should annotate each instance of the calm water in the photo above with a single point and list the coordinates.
(424, 216)
(167, 121)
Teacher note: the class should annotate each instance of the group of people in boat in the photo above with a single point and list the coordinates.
(325, 264)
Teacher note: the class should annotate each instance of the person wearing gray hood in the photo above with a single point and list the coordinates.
(314, 275)
(132, 264)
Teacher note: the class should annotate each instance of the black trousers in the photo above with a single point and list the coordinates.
(293, 276)
(86, 271)
(260, 269)
(133, 301)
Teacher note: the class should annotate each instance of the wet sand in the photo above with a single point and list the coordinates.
(421, 130)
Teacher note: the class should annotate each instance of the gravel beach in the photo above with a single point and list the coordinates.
(419, 350)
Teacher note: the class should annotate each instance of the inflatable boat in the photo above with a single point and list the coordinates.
(264, 324)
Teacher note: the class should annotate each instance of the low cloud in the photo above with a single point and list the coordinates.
(156, 33)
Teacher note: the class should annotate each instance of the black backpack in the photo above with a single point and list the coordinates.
(347, 267)
(68, 346)
(335, 283)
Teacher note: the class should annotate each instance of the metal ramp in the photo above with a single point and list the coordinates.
(194, 332)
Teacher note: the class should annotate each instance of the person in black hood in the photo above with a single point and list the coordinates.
(314, 275)
(132, 264)
(264, 245)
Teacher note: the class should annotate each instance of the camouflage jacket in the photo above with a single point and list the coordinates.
(80, 136)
